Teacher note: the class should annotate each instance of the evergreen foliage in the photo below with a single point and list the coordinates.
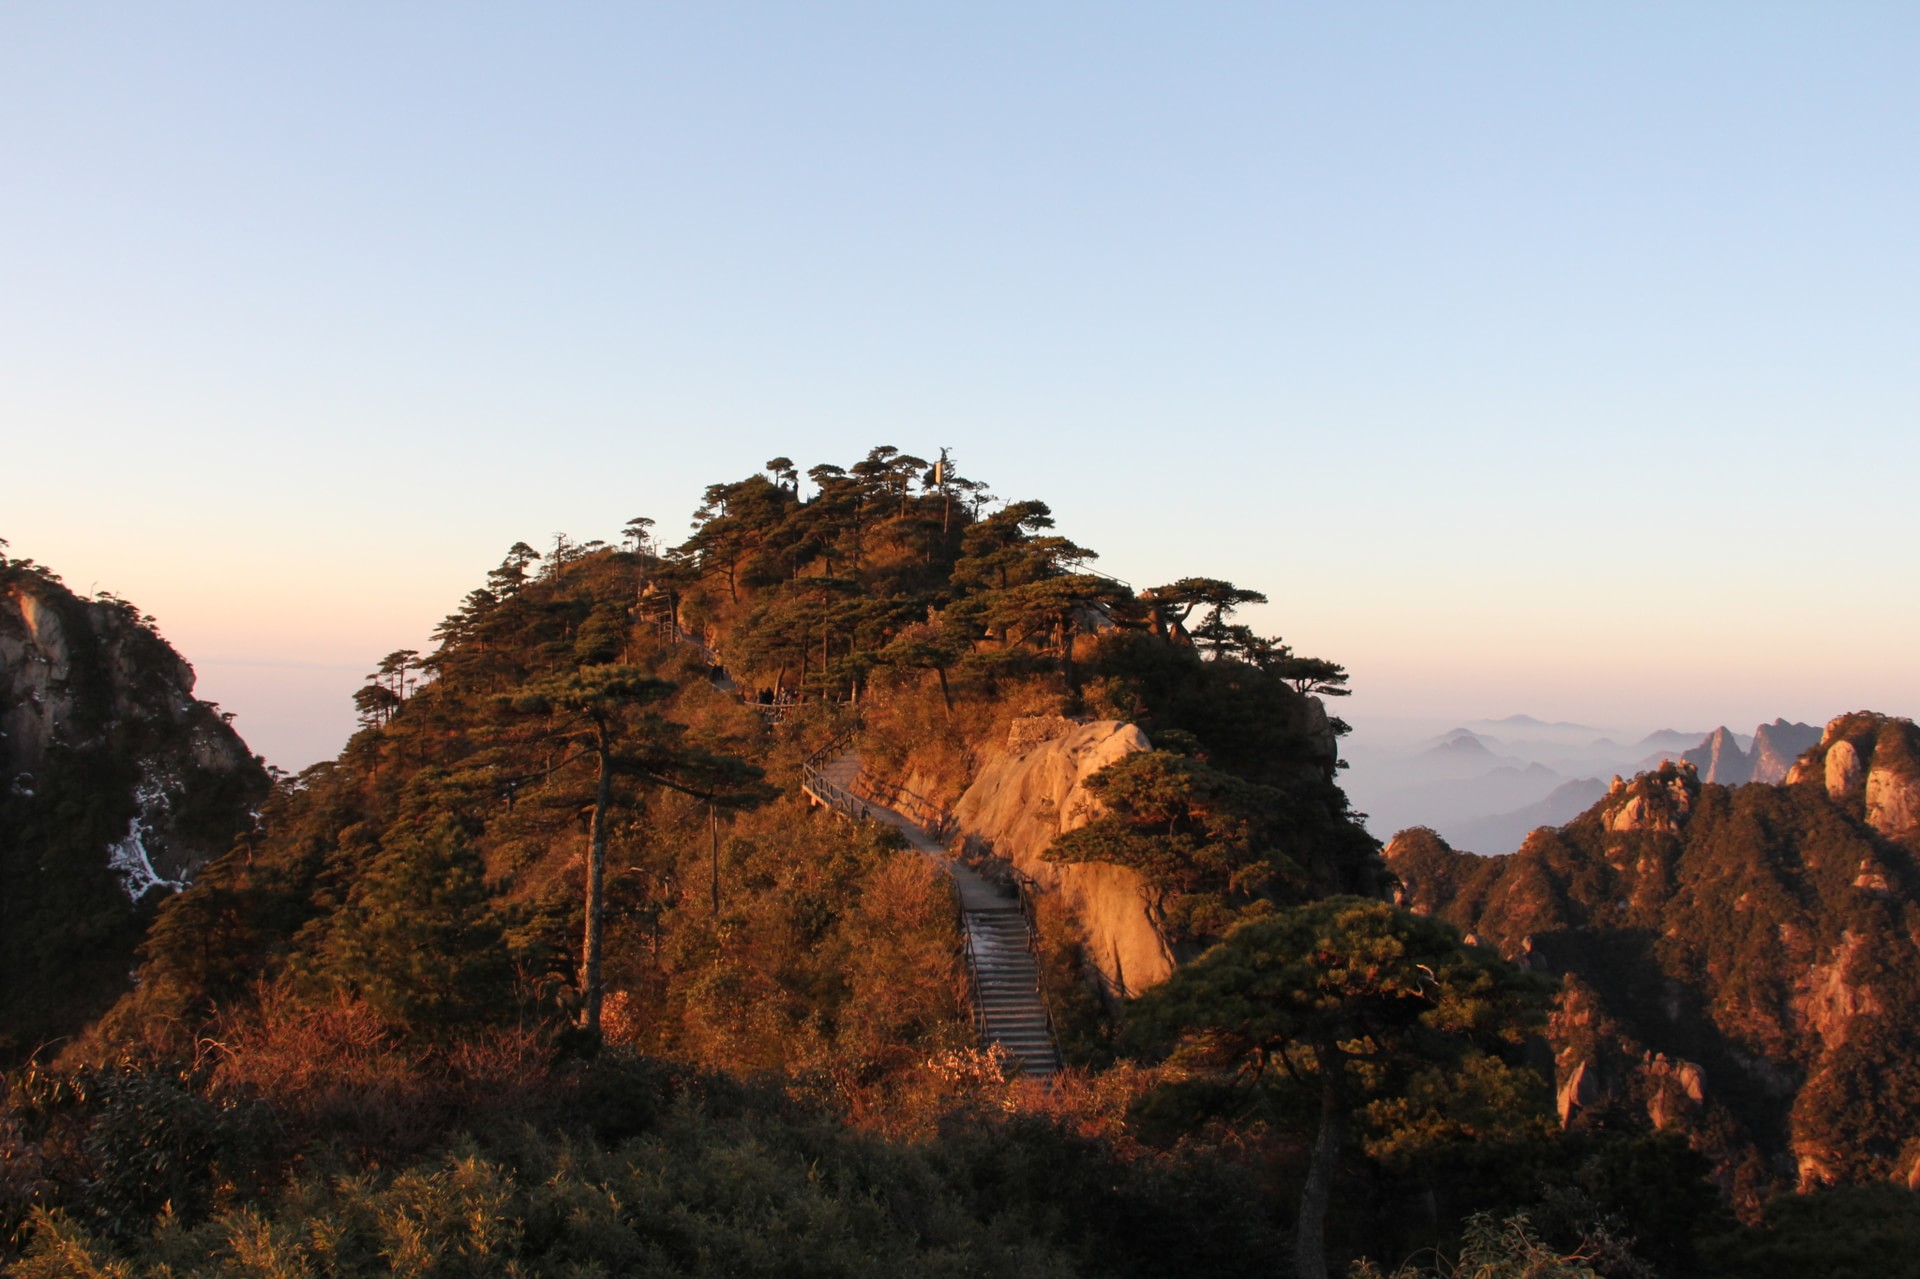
(1368, 1009)
(578, 812)
(419, 941)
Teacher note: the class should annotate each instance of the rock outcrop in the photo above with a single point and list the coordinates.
(79, 676)
(1657, 801)
(1030, 791)
(116, 785)
(1740, 964)
(1869, 764)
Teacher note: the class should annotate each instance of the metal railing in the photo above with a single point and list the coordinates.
(969, 956)
(814, 782)
(1026, 890)
(1080, 568)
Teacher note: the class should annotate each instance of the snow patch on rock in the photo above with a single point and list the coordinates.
(128, 857)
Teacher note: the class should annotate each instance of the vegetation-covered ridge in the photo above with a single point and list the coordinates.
(566, 743)
(1742, 964)
(552, 971)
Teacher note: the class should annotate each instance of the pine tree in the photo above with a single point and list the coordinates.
(420, 941)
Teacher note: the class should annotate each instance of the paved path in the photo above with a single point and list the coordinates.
(1008, 1006)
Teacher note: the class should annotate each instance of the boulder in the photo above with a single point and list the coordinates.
(1657, 801)
(1893, 800)
(1843, 770)
(1032, 790)
(1579, 1091)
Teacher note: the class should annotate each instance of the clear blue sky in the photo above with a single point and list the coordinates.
(1561, 359)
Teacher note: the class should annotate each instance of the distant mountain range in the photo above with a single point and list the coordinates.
(1774, 747)
(1506, 831)
(1485, 784)
(1528, 721)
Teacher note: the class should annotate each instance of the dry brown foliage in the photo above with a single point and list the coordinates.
(337, 1068)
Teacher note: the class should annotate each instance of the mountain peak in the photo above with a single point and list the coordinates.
(1464, 744)
(1530, 721)
(1777, 745)
(1719, 759)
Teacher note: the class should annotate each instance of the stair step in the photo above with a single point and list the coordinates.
(1004, 970)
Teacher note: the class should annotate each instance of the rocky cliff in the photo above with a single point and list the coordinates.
(118, 786)
(1030, 790)
(1869, 765)
(1741, 964)
(1776, 746)
(1720, 760)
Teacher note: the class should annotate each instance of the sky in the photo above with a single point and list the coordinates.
(1549, 359)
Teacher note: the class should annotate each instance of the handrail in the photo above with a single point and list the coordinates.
(1026, 888)
(668, 627)
(838, 798)
(832, 794)
(815, 784)
(1079, 568)
(976, 1000)
(835, 745)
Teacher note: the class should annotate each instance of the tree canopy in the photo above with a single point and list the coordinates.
(1351, 1000)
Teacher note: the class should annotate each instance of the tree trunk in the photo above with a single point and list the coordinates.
(596, 890)
(1310, 1234)
(713, 831)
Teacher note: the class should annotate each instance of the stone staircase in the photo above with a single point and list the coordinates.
(1009, 1007)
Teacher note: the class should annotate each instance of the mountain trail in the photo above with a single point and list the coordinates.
(1009, 1007)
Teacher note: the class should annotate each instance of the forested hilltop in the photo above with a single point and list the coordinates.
(556, 970)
